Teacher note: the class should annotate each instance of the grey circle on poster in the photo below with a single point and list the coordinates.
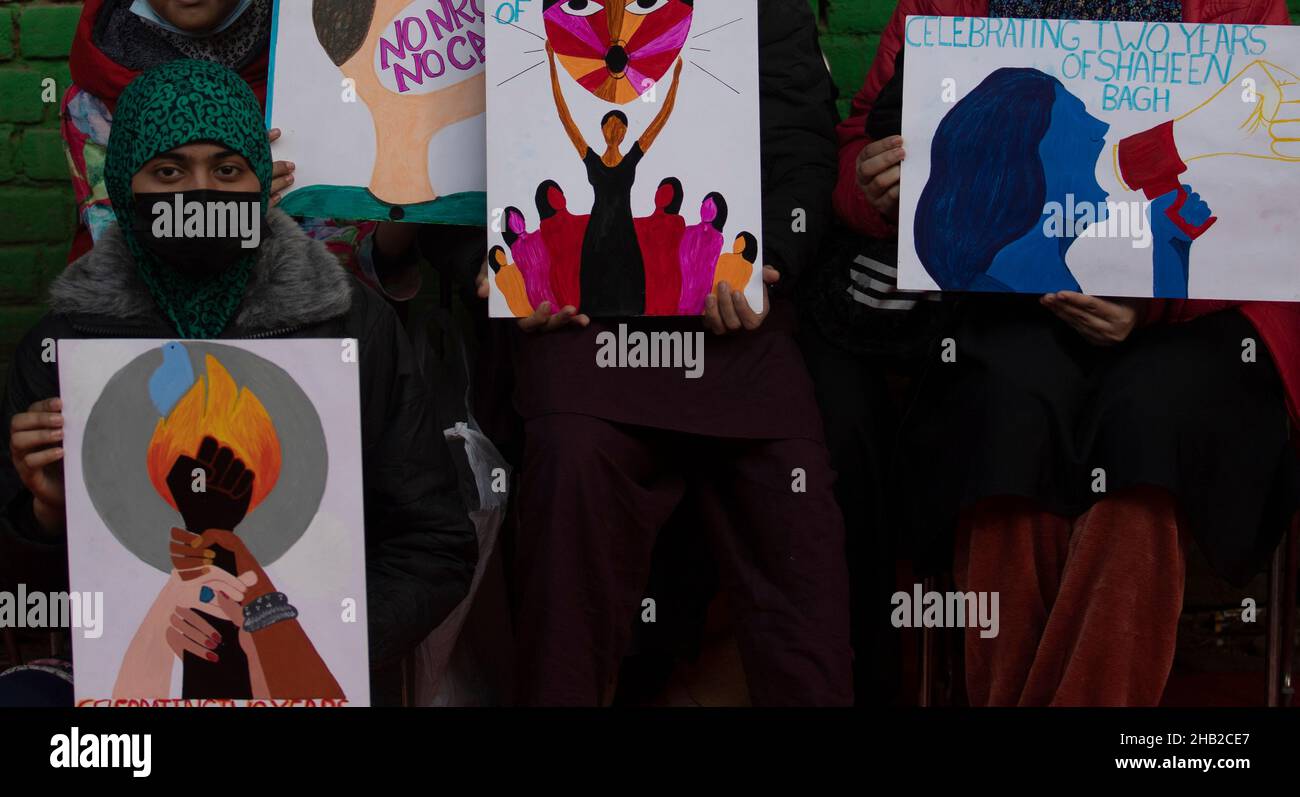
(116, 442)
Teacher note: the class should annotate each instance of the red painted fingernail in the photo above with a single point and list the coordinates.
(211, 644)
(212, 657)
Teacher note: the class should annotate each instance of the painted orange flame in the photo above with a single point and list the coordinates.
(232, 415)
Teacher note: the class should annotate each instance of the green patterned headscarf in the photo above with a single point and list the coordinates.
(178, 103)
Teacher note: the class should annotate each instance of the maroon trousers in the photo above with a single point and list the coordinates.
(1088, 608)
(593, 496)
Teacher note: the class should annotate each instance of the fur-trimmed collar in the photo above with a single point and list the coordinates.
(296, 281)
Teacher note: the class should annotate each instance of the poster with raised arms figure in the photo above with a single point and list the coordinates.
(623, 156)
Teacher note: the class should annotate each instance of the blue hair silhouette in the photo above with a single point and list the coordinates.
(987, 185)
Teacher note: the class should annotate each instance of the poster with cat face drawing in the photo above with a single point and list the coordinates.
(623, 156)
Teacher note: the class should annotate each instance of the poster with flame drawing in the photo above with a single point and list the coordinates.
(623, 156)
(380, 105)
(214, 500)
(1138, 159)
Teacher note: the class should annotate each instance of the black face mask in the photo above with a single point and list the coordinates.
(200, 233)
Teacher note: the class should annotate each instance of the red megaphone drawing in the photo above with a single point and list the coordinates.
(1149, 162)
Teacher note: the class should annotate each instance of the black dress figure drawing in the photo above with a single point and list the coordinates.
(613, 271)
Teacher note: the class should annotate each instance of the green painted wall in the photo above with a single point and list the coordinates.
(36, 205)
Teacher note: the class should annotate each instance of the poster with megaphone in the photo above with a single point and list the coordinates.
(381, 107)
(1132, 159)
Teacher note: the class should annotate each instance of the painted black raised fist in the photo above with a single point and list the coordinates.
(227, 488)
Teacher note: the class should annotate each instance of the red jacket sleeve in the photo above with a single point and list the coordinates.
(1271, 12)
(1174, 311)
(851, 204)
(1262, 12)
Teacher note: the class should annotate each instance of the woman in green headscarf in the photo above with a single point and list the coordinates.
(196, 254)
(208, 146)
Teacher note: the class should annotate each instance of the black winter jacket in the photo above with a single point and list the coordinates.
(800, 162)
(420, 546)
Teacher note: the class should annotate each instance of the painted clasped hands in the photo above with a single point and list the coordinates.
(197, 584)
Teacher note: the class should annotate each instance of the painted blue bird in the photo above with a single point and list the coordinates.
(172, 380)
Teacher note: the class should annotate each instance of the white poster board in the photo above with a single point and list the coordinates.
(1047, 155)
(282, 471)
(576, 221)
(381, 108)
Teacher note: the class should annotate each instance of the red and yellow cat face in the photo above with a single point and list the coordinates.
(617, 49)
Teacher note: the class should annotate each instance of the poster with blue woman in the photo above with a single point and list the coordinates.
(623, 155)
(1131, 159)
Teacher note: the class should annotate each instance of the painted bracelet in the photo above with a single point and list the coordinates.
(267, 611)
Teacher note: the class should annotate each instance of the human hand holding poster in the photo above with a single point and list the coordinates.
(1116, 158)
(623, 156)
(380, 104)
(214, 499)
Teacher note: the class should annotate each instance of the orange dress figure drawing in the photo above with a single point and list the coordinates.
(510, 282)
(737, 266)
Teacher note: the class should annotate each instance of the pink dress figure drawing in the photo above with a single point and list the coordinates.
(701, 245)
(532, 258)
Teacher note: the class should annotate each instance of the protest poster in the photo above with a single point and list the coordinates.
(381, 108)
(623, 156)
(214, 500)
(1114, 158)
